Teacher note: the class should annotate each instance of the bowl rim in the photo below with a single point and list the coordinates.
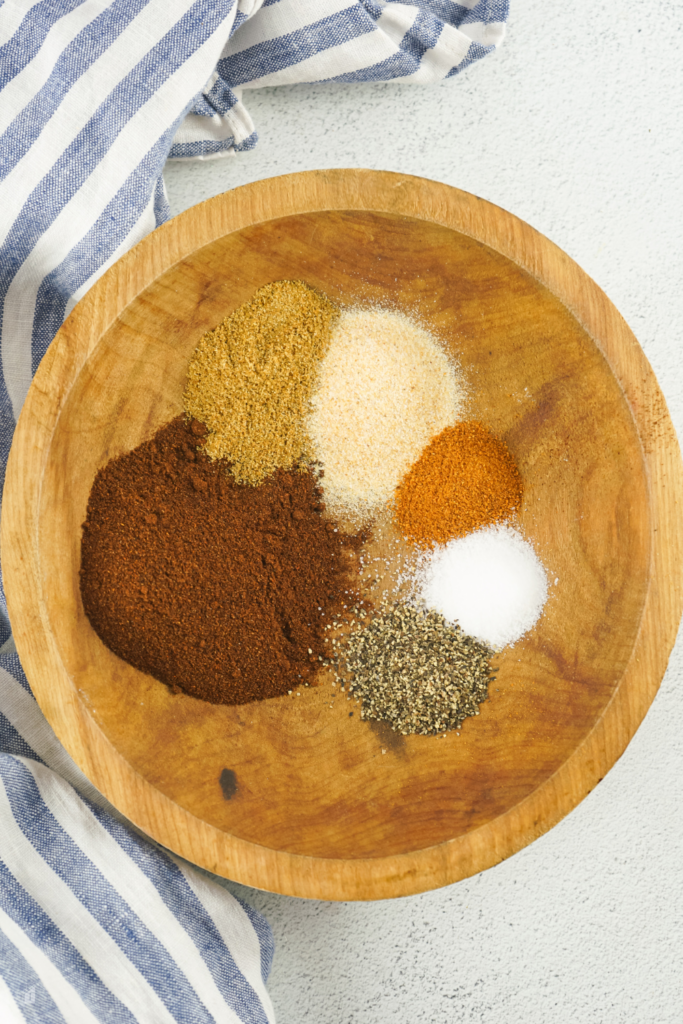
(157, 815)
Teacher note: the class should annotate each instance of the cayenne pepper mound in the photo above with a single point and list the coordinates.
(215, 588)
(465, 479)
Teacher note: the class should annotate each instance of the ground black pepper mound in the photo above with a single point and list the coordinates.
(219, 589)
(412, 669)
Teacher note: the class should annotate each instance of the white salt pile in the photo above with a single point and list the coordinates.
(491, 582)
(385, 388)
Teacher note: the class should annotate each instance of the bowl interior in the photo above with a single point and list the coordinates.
(310, 779)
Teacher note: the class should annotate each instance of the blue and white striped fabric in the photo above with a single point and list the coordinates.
(96, 923)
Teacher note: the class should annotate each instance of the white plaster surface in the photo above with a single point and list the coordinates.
(575, 126)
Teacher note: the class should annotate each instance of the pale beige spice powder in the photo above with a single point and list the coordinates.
(386, 387)
(250, 380)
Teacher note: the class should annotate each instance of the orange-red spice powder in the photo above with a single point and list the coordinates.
(465, 478)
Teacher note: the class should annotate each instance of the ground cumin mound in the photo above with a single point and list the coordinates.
(465, 478)
(219, 589)
(250, 379)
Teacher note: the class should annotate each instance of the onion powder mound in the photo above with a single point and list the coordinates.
(491, 582)
(385, 388)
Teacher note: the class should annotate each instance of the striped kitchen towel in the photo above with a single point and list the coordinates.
(97, 923)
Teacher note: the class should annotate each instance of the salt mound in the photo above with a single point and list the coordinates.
(491, 582)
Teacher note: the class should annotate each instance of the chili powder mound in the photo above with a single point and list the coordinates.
(465, 478)
(216, 588)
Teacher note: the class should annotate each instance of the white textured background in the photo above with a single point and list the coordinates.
(575, 126)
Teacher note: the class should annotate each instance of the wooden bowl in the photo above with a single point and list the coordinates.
(320, 804)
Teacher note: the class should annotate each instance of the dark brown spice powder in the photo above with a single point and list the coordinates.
(219, 589)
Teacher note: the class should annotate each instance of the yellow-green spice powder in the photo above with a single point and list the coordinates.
(250, 380)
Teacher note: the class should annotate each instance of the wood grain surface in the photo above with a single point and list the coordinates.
(320, 804)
